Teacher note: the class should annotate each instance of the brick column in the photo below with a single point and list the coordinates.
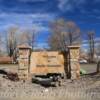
(24, 61)
(74, 61)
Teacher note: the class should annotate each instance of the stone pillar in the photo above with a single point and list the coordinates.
(74, 61)
(24, 61)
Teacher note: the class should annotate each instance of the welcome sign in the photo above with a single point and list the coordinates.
(46, 62)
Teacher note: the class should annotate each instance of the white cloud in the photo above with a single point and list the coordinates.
(69, 5)
(97, 40)
(45, 16)
(32, 0)
(96, 1)
(96, 10)
(38, 22)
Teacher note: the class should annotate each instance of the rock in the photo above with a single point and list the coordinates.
(46, 90)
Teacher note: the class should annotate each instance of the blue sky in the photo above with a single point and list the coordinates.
(38, 13)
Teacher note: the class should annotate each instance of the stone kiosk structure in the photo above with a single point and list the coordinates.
(24, 61)
(27, 62)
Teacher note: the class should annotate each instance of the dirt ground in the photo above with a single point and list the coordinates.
(90, 68)
(86, 88)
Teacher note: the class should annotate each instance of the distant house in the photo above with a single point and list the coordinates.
(6, 60)
(97, 57)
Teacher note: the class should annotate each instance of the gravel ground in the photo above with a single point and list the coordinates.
(86, 88)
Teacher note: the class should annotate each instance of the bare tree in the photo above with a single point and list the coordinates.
(98, 49)
(63, 33)
(27, 37)
(0, 44)
(11, 41)
(91, 46)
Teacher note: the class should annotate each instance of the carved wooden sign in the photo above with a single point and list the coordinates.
(46, 62)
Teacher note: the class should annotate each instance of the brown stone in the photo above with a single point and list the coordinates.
(74, 61)
(24, 56)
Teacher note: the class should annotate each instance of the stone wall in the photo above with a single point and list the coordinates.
(24, 61)
(74, 61)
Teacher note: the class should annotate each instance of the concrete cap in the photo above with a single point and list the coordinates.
(73, 46)
(24, 46)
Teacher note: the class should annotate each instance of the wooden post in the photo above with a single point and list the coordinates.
(24, 61)
(74, 61)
